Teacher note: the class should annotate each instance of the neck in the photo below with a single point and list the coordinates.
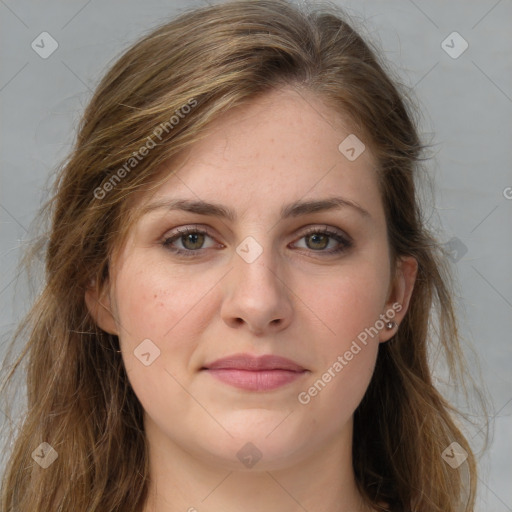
(321, 481)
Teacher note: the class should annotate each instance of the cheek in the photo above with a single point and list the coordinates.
(347, 302)
(331, 397)
(153, 302)
(346, 354)
(153, 305)
(166, 308)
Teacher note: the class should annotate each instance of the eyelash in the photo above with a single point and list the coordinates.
(345, 244)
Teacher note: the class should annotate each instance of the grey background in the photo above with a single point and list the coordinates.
(467, 112)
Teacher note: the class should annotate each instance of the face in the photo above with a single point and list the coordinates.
(197, 298)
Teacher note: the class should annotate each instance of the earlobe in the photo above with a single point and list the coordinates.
(100, 308)
(400, 294)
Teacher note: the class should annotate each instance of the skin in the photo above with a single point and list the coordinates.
(294, 300)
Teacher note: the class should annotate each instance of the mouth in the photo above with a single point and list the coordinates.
(263, 373)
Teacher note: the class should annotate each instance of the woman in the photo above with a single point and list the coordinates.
(240, 290)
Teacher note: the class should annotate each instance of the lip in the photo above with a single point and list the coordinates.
(255, 373)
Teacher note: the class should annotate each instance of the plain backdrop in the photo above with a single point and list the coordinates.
(466, 102)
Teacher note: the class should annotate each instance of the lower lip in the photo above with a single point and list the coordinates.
(256, 380)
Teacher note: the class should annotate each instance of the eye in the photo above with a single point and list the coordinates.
(318, 239)
(191, 238)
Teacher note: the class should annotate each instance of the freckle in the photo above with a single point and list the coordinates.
(155, 296)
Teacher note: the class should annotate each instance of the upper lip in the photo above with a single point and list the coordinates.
(254, 363)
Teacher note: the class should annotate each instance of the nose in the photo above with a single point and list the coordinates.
(256, 296)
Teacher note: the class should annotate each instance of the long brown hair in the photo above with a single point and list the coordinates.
(162, 94)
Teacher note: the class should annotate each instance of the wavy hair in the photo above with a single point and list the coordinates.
(194, 68)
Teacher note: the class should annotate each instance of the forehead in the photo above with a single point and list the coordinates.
(276, 149)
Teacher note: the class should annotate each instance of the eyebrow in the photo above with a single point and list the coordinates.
(294, 209)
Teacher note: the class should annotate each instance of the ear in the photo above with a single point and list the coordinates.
(400, 294)
(100, 307)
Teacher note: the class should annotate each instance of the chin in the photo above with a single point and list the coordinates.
(256, 443)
